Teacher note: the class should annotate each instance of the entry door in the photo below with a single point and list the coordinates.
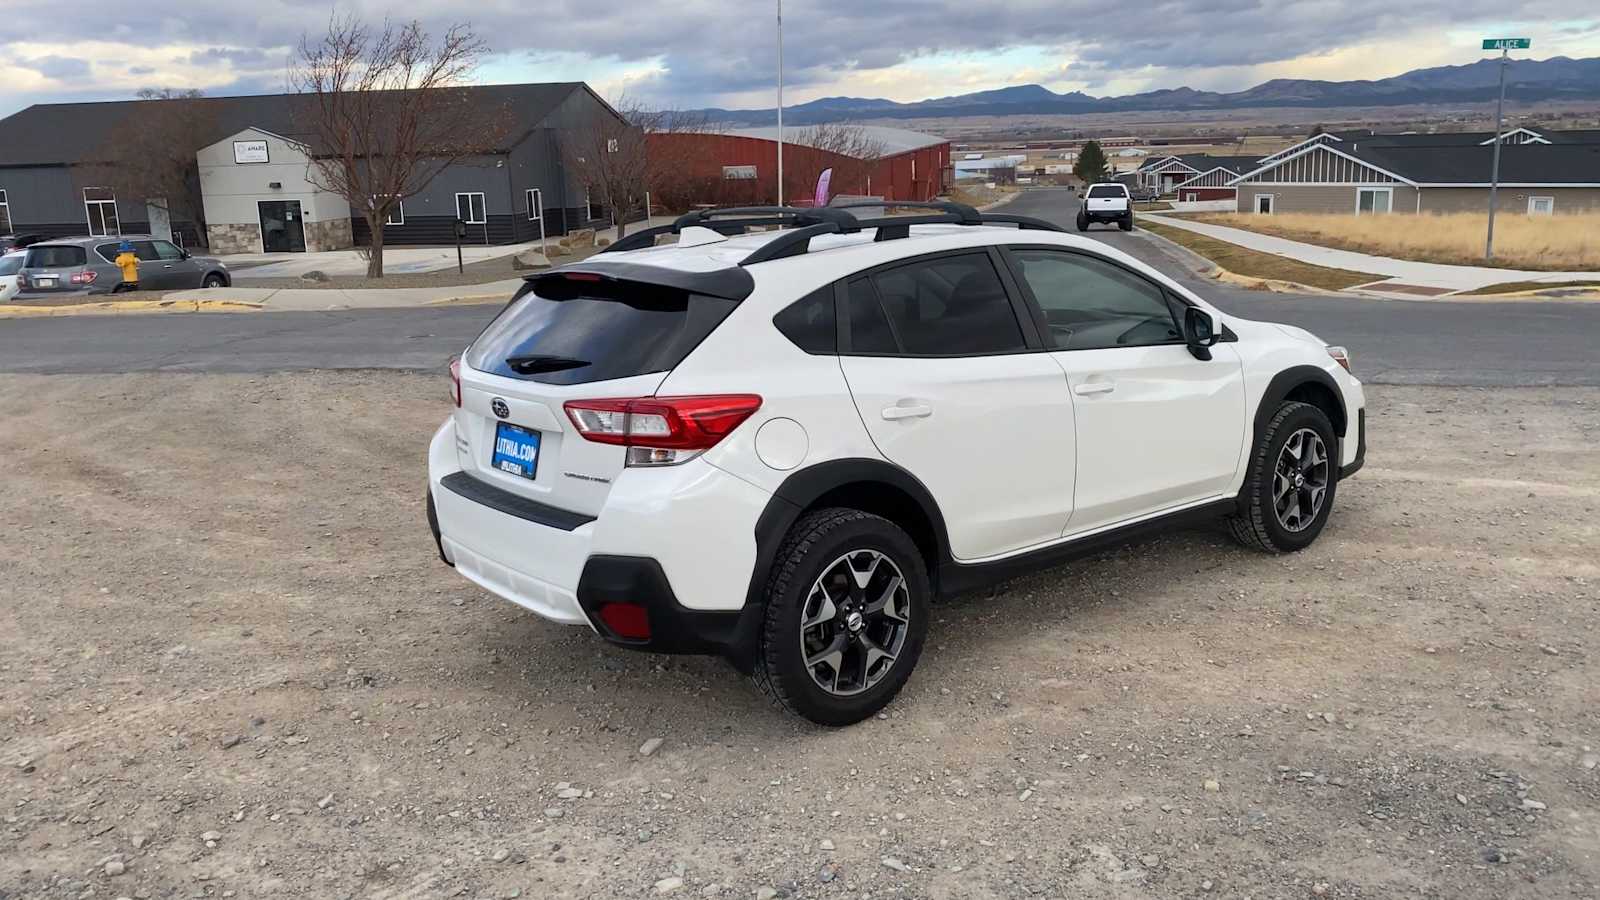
(1156, 427)
(160, 218)
(1264, 203)
(282, 228)
(950, 391)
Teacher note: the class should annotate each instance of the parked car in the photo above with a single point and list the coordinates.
(1106, 202)
(781, 447)
(87, 265)
(10, 265)
(10, 242)
(1144, 194)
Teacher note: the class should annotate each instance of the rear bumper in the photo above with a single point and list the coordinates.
(690, 567)
(1108, 215)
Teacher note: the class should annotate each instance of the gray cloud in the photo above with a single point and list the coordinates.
(715, 48)
(60, 68)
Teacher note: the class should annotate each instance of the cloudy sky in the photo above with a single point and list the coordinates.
(689, 53)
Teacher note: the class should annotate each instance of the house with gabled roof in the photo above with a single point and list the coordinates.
(1542, 172)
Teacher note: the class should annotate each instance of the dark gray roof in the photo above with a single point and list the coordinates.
(56, 133)
(1569, 157)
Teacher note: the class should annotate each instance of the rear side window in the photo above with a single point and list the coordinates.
(10, 263)
(1106, 190)
(950, 306)
(55, 257)
(809, 322)
(869, 328)
(566, 331)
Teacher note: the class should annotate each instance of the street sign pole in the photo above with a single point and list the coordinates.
(1504, 45)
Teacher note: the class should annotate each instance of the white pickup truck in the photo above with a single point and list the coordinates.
(1106, 202)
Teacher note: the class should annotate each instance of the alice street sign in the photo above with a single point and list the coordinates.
(1507, 43)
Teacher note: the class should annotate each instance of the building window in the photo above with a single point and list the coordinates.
(1537, 206)
(5, 214)
(469, 208)
(613, 145)
(739, 173)
(100, 207)
(1374, 201)
(535, 201)
(397, 212)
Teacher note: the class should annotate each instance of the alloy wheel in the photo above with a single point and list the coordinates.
(854, 622)
(1300, 480)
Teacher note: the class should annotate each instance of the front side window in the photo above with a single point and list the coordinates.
(949, 306)
(469, 209)
(166, 250)
(1091, 304)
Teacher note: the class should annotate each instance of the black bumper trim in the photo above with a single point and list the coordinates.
(433, 526)
(674, 628)
(1361, 446)
(465, 485)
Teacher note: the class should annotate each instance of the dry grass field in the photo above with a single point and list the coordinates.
(1559, 243)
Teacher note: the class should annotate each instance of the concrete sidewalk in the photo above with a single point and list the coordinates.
(1401, 277)
(352, 298)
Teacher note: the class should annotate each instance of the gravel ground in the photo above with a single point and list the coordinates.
(234, 667)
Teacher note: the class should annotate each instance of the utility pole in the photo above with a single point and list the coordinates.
(1504, 45)
(780, 102)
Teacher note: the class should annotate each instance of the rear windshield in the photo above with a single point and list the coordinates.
(563, 331)
(55, 257)
(10, 263)
(1106, 190)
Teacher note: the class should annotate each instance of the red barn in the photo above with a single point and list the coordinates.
(741, 167)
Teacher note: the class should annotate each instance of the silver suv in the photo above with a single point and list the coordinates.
(88, 265)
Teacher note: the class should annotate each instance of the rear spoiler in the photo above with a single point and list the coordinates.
(733, 283)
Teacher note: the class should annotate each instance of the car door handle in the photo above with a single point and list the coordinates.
(895, 413)
(1094, 387)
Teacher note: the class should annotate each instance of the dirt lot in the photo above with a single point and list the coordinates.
(234, 667)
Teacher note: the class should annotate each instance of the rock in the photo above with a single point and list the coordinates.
(231, 741)
(1550, 651)
(315, 275)
(1529, 805)
(826, 845)
(115, 867)
(1589, 760)
(603, 242)
(570, 793)
(556, 250)
(1212, 785)
(554, 812)
(711, 890)
(1150, 860)
(829, 872)
(1461, 799)
(766, 893)
(668, 885)
(139, 841)
(500, 855)
(649, 747)
(1319, 888)
(1205, 885)
(531, 259)
(211, 837)
(325, 802)
(890, 862)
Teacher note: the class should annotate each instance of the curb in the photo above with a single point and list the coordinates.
(125, 307)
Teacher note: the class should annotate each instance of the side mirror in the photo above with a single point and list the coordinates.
(1199, 332)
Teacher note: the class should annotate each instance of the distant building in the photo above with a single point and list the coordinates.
(985, 169)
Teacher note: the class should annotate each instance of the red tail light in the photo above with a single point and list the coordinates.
(664, 424)
(455, 381)
(85, 277)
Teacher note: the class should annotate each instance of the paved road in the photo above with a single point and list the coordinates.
(1432, 342)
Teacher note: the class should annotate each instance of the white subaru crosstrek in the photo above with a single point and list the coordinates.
(781, 446)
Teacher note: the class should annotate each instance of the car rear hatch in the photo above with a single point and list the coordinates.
(56, 267)
(1106, 200)
(573, 336)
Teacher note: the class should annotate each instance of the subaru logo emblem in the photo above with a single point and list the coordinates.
(500, 408)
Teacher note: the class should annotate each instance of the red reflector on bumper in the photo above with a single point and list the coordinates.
(629, 621)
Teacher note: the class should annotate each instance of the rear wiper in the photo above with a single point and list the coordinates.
(529, 365)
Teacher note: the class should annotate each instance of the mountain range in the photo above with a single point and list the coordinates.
(1557, 78)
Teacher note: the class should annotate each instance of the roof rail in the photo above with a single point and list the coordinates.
(805, 223)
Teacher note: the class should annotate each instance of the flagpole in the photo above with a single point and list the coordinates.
(780, 102)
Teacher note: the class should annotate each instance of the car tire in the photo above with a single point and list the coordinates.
(1126, 224)
(817, 607)
(214, 281)
(1269, 518)
(1083, 223)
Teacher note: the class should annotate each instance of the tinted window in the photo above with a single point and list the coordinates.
(595, 330)
(55, 257)
(107, 252)
(869, 330)
(809, 322)
(951, 305)
(1106, 190)
(166, 250)
(10, 263)
(1089, 303)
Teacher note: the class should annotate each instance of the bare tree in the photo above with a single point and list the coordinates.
(859, 153)
(608, 158)
(386, 110)
(149, 156)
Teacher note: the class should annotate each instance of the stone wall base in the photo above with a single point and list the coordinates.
(329, 234)
(226, 239)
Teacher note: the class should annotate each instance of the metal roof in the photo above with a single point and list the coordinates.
(894, 140)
